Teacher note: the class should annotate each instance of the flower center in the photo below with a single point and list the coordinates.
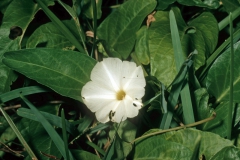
(120, 95)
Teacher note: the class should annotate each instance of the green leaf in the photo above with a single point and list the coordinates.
(53, 119)
(141, 47)
(120, 27)
(182, 144)
(24, 91)
(218, 77)
(7, 135)
(38, 139)
(230, 5)
(212, 4)
(200, 102)
(66, 72)
(48, 128)
(87, 8)
(83, 155)
(4, 4)
(202, 37)
(227, 153)
(27, 9)
(126, 133)
(163, 4)
(52, 38)
(220, 123)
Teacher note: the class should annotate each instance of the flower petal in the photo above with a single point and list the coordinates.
(108, 73)
(132, 75)
(135, 93)
(96, 97)
(120, 113)
(131, 107)
(102, 115)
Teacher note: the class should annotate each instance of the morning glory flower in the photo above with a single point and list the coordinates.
(115, 90)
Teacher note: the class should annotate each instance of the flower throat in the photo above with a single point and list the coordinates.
(120, 95)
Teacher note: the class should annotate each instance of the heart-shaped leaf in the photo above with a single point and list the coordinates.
(52, 37)
(120, 27)
(202, 37)
(218, 78)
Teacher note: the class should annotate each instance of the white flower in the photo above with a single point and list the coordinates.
(115, 91)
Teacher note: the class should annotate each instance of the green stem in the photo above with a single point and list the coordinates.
(225, 21)
(229, 127)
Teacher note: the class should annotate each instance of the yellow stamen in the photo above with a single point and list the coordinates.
(120, 95)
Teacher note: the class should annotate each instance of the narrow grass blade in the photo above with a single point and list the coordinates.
(225, 21)
(94, 146)
(49, 129)
(164, 102)
(73, 13)
(229, 126)
(212, 58)
(52, 119)
(61, 26)
(99, 127)
(179, 58)
(64, 134)
(16, 131)
(24, 91)
(84, 125)
(174, 94)
(94, 25)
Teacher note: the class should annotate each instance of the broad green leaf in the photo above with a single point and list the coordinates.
(141, 47)
(87, 8)
(212, 4)
(202, 37)
(159, 148)
(83, 155)
(163, 4)
(183, 144)
(126, 133)
(66, 72)
(200, 102)
(26, 9)
(4, 4)
(119, 28)
(52, 38)
(218, 77)
(230, 5)
(229, 152)
(220, 123)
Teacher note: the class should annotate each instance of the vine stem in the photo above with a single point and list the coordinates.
(176, 128)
